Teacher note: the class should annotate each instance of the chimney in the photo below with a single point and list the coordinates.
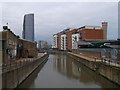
(5, 27)
(104, 28)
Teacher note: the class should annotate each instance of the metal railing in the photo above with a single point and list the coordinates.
(106, 60)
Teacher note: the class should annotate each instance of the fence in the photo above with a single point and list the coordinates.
(106, 55)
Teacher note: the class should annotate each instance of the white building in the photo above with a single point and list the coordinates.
(63, 42)
(75, 39)
(54, 41)
(28, 27)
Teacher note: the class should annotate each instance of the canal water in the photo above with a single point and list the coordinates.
(61, 71)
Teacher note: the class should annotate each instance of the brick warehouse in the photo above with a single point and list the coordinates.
(83, 33)
(14, 48)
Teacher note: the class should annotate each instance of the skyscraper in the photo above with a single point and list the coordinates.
(28, 27)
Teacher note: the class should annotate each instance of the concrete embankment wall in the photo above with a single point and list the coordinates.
(15, 75)
(109, 72)
(94, 53)
(88, 53)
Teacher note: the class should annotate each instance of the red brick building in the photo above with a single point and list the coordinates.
(92, 34)
(59, 41)
(83, 33)
(69, 38)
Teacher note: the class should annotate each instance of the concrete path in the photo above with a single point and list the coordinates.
(94, 59)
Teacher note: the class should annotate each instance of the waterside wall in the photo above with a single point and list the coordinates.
(14, 75)
(111, 73)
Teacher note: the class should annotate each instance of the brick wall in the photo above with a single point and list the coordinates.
(92, 34)
(69, 39)
(10, 41)
(59, 41)
(30, 47)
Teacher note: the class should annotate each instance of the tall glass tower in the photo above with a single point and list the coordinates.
(28, 27)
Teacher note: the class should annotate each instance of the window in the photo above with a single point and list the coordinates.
(80, 36)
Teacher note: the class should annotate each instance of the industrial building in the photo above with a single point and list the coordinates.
(14, 48)
(68, 39)
(28, 27)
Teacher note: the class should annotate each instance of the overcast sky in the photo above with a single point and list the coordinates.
(53, 17)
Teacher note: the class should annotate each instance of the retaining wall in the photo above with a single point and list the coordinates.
(13, 76)
(109, 72)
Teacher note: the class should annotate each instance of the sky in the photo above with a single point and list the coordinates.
(59, 0)
(53, 17)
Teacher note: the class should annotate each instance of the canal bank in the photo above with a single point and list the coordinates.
(107, 70)
(17, 73)
(62, 71)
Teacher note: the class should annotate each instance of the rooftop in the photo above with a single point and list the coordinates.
(90, 27)
(27, 40)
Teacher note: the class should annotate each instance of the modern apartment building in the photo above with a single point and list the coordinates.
(91, 32)
(28, 27)
(75, 39)
(59, 41)
(63, 42)
(59, 38)
(54, 41)
(68, 38)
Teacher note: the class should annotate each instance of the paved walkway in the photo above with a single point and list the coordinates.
(23, 60)
(19, 62)
(30, 59)
(94, 59)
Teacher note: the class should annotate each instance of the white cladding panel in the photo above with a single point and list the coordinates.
(75, 39)
(54, 41)
(63, 42)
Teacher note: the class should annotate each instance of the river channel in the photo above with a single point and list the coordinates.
(61, 71)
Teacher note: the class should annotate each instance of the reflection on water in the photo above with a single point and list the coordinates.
(61, 71)
(75, 70)
(31, 79)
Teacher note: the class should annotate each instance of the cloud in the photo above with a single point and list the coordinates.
(53, 17)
